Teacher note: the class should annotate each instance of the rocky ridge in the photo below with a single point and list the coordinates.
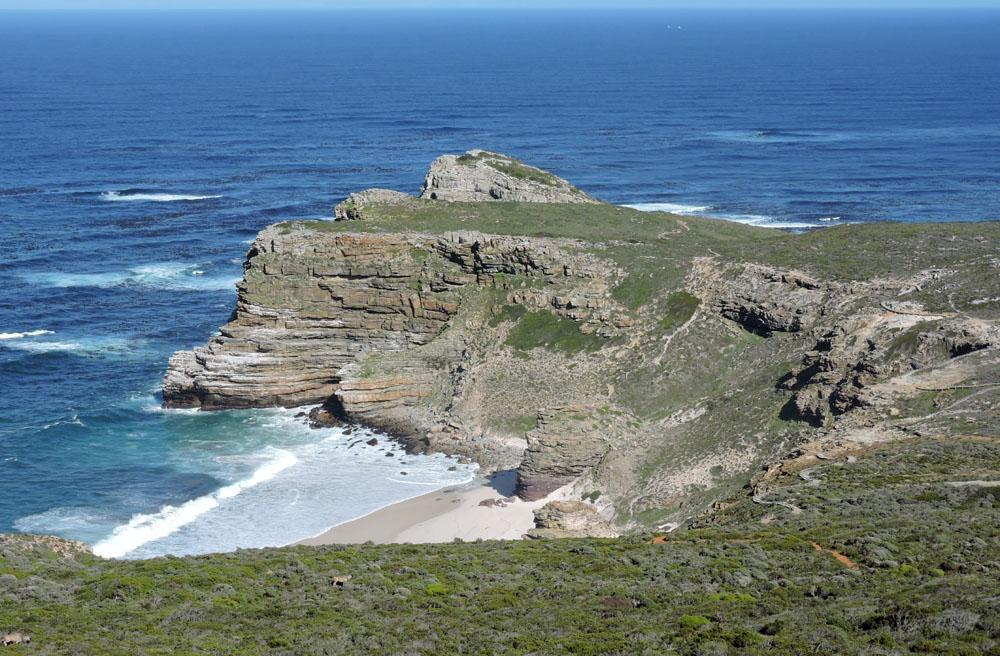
(563, 357)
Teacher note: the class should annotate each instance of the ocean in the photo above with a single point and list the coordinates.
(141, 152)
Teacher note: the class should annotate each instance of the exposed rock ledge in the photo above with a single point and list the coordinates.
(570, 519)
(479, 175)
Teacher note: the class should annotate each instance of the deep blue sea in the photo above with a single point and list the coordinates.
(140, 153)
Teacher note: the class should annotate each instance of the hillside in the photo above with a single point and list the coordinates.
(654, 362)
(890, 551)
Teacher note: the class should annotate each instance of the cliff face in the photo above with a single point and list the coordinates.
(654, 362)
(306, 308)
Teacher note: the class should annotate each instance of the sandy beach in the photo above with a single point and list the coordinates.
(444, 515)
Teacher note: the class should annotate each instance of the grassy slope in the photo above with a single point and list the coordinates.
(656, 248)
(736, 585)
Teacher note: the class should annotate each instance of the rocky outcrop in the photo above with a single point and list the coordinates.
(570, 519)
(352, 208)
(479, 175)
(314, 304)
(842, 370)
(309, 304)
(564, 444)
(765, 300)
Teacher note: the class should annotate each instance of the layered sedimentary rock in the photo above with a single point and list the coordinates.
(308, 305)
(564, 444)
(845, 367)
(570, 519)
(764, 300)
(479, 175)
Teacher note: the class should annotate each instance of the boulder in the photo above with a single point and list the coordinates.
(570, 519)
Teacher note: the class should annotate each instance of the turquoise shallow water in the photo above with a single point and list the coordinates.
(139, 154)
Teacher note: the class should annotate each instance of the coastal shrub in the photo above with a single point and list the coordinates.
(680, 307)
(543, 329)
(521, 171)
(693, 621)
(636, 290)
(437, 589)
(508, 312)
(724, 581)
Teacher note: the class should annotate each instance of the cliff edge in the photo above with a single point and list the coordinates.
(652, 361)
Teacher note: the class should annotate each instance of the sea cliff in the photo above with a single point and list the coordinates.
(652, 361)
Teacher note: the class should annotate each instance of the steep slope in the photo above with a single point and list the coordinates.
(654, 361)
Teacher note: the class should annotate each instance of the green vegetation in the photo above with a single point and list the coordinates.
(507, 313)
(519, 423)
(680, 307)
(746, 580)
(543, 329)
(522, 171)
(509, 166)
(652, 240)
(636, 290)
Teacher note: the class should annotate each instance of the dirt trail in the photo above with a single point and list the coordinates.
(841, 558)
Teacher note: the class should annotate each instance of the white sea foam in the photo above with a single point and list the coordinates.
(292, 482)
(672, 208)
(93, 346)
(160, 275)
(151, 197)
(829, 218)
(29, 333)
(147, 528)
(759, 220)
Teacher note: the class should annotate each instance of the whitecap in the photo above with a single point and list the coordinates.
(758, 220)
(145, 528)
(82, 346)
(152, 197)
(829, 218)
(158, 275)
(28, 333)
(672, 208)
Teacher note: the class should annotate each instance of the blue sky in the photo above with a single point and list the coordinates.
(342, 4)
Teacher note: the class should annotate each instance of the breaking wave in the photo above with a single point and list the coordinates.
(147, 528)
(86, 346)
(759, 220)
(162, 275)
(29, 333)
(148, 196)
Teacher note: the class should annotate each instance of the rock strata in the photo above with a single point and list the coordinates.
(570, 519)
(479, 175)
(610, 348)
(564, 444)
(307, 307)
(766, 300)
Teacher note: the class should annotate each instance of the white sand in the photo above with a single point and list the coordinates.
(442, 516)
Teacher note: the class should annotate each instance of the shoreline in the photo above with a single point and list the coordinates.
(483, 509)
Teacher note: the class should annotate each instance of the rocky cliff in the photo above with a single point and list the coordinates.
(653, 362)
(480, 175)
